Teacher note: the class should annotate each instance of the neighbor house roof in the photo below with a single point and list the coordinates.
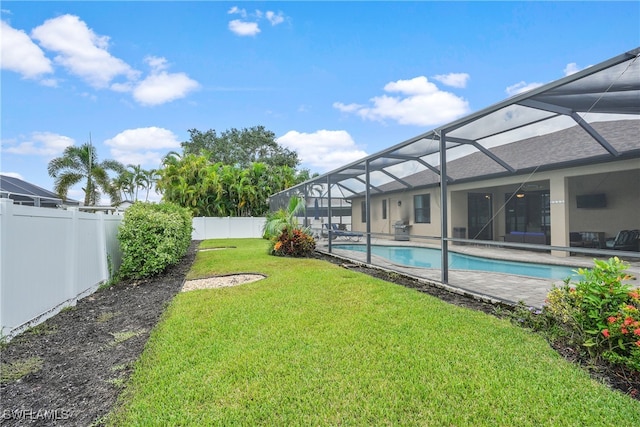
(25, 193)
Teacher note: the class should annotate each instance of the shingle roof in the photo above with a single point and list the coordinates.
(26, 193)
(553, 151)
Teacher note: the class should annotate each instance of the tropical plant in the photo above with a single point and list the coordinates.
(218, 189)
(124, 182)
(150, 177)
(286, 235)
(600, 312)
(134, 178)
(79, 164)
(139, 179)
(296, 243)
(284, 219)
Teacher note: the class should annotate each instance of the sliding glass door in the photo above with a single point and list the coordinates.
(480, 209)
(528, 211)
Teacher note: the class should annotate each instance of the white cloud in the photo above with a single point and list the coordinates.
(160, 87)
(20, 54)
(49, 82)
(45, 144)
(573, 68)
(235, 10)
(521, 87)
(458, 80)
(347, 108)
(322, 150)
(248, 25)
(274, 18)
(416, 86)
(143, 146)
(85, 54)
(420, 103)
(243, 28)
(164, 87)
(156, 63)
(81, 51)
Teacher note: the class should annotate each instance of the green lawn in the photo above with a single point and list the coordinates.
(316, 344)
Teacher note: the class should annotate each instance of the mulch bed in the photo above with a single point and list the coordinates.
(87, 352)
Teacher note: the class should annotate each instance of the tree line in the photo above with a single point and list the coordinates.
(227, 174)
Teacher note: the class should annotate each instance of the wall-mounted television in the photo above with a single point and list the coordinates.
(591, 201)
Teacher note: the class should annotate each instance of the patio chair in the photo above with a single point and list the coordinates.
(348, 235)
(575, 239)
(625, 240)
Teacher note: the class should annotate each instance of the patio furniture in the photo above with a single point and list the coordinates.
(530, 237)
(586, 239)
(336, 232)
(625, 240)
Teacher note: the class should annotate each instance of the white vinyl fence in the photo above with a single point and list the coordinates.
(51, 258)
(226, 228)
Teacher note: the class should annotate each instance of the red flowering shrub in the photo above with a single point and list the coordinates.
(623, 334)
(601, 313)
(294, 243)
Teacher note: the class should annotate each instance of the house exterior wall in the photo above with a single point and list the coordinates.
(622, 191)
(620, 181)
(403, 212)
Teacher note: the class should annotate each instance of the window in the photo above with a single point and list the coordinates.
(363, 211)
(422, 208)
(384, 208)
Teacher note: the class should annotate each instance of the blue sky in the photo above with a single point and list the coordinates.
(333, 80)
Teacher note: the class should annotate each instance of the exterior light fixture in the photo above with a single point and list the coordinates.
(520, 195)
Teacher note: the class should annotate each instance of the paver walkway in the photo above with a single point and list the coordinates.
(508, 288)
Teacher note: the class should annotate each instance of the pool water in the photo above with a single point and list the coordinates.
(431, 258)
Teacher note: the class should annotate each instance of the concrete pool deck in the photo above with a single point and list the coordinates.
(487, 286)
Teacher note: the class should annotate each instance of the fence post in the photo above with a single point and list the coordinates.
(102, 247)
(6, 213)
(72, 254)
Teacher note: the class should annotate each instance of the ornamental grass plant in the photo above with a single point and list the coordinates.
(317, 344)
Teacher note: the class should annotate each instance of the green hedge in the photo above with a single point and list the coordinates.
(153, 237)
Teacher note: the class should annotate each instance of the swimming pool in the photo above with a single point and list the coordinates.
(431, 258)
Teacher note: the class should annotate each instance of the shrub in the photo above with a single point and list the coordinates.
(538, 320)
(285, 234)
(295, 243)
(152, 237)
(601, 313)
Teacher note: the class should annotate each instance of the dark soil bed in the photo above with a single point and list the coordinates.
(83, 356)
(86, 352)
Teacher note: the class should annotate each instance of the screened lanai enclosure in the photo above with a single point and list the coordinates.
(553, 170)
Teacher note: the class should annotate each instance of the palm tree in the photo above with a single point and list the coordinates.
(284, 220)
(81, 164)
(149, 178)
(141, 178)
(124, 184)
